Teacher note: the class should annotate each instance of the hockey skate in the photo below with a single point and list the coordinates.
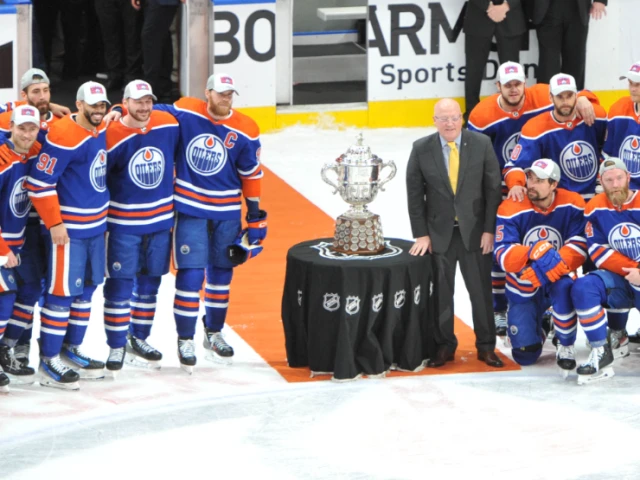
(141, 354)
(87, 367)
(115, 361)
(21, 353)
(500, 319)
(187, 354)
(549, 327)
(598, 366)
(566, 359)
(54, 373)
(17, 373)
(218, 350)
(635, 338)
(4, 382)
(619, 341)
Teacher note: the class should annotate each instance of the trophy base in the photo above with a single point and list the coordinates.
(358, 235)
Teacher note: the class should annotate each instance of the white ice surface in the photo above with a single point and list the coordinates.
(245, 421)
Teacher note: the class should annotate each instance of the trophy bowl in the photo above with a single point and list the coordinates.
(358, 180)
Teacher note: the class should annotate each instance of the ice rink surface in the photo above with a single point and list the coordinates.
(245, 421)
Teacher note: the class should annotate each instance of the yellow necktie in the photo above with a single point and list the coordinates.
(454, 165)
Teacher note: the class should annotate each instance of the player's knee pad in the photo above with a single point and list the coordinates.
(190, 279)
(527, 355)
(118, 289)
(29, 293)
(147, 285)
(588, 291)
(87, 293)
(58, 303)
(219, 276)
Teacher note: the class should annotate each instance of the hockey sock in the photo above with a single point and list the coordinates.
(498, 282)
(6, 306)
(21, 321)
(79, 317)
(564, 315)
(143, 303)
(54, 318)
(588, 295)
(186, 303)
(216, 297)
(117, 310)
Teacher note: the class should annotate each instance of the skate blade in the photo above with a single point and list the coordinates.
(506, 342)
(564, 373)
(113, 374)
(215, 358)
(49, 382)
(22, 379)
(604, 374)
(5, 389)
(136, 361)
(620, 353)
(85, 374)
(187, 368)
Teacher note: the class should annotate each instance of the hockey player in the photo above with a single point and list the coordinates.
(14, 209)
(564, 138)
(501, 117)
(218, 164)
(603, 296)
(140, 153)
(538, 242)
(68, 187)
(38, 96)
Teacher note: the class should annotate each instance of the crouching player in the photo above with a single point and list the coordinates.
(539, 241)
(603, 296)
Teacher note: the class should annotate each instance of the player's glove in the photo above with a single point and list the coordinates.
(546, 267)
(241, 251)
(257, 223)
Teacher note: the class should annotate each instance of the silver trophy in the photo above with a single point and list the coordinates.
(358, 231)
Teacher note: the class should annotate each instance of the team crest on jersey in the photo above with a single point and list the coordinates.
(325, 250)
(116, 266)
(543, 233)
(399, 298)
(19, 201)
(509, 146)
(376, 302)
(98, 172)
(352, 305)
(625, 238)
(579, 161)
(206, 154)
(146, 167)
(630, 154)
(331, 302)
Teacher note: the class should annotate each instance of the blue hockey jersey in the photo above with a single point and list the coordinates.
(140, 167)
(623, 137)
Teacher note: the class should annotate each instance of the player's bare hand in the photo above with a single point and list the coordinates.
(498, 13)
(59, 235)
(12, 260)
(517, 193)
(112, 116)
(585, 111)
(632, 276)
(598, 11)
(59, 110)
(422, 246)
(486, 243)
(137, 4)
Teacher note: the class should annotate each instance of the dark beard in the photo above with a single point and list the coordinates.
(87, 115)
(511, 104)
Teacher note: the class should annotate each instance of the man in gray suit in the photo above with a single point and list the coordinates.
(453, 192)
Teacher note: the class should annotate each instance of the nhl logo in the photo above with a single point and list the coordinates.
(78, 282)
(11, 279)
(146, 167)
(206, 154)
(184, 249)
(299, 298)
(513, 329)
(98, 172)
(399, 298)
(116, 266)
(331, 302)
(416, 295)
(579, 161)
(376, 302)
(353, 305)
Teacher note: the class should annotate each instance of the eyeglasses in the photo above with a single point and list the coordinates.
(455, 118)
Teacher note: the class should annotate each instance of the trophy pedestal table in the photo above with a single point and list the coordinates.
(354, 315)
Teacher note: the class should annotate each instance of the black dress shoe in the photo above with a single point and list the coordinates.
(442, 356)
(491, 359)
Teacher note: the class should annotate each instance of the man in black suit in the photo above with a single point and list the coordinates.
(562, 27)
(483, 20)
(453, 192)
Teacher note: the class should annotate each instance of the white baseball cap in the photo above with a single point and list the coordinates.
(221, 82)
(633, 74)
(611, 163)
(545, 168)
(509, 71)
(92, 93)
(25, 114)
(562, 82)
(33, 75)
(138, 89)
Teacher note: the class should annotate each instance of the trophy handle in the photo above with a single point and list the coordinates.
(326, 179)
(391, 164)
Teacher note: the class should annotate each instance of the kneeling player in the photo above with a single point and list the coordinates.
(612, 234)
(539, 241)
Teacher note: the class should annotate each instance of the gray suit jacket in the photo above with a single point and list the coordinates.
(432, 206)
